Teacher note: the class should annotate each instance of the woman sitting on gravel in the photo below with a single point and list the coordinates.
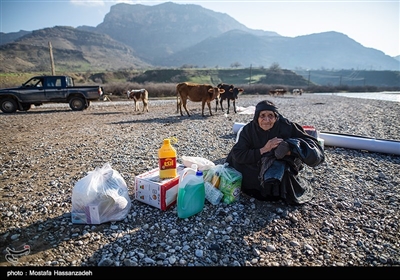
(270, 152)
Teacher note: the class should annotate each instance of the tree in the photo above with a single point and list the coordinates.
(236, 65)
(275, 67)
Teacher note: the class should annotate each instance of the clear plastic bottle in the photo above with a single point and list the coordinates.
(167, 160)
(191, 193)
(213, 195)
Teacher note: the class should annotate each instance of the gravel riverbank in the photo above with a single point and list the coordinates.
(353, 219)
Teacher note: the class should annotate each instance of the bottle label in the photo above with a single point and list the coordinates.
(167, 163)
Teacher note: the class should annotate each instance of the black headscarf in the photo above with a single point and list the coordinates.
(265, 105)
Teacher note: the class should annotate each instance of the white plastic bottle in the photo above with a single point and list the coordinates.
(191, 192)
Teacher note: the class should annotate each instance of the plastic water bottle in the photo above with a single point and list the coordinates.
(213, 195)
(191, 193)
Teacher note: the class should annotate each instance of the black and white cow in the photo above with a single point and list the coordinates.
(231, 94)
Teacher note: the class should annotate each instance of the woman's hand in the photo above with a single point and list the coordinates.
(271, 144)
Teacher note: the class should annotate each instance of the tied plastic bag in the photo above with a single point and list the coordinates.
(203, 164)
(227, 179)
(101, 196)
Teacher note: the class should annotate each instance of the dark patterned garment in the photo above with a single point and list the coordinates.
(271, 176)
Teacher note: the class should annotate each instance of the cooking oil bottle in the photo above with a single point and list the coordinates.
(167, 160)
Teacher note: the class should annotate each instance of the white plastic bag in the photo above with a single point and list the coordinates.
(203, 164)
(101, 196)
(227, 179)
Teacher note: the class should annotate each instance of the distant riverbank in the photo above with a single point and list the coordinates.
(384, 95)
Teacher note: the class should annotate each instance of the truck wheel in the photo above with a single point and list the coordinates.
(77, 103)
(25, 106)
(8, 105)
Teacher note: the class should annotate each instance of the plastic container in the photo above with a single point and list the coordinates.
(191, 192)
(237, 126)
(167, 160)
(213, 195)
(311, 130)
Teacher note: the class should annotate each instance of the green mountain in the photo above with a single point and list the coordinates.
(73, 50)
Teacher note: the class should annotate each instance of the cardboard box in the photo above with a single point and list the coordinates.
(150, 189)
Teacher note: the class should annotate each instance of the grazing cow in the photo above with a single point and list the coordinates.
(227, 88)
(231, 93)
(196, 93)
(297, 91)
(137, 95)
(278, 91)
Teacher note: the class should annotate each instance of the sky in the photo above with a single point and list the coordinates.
(373, 24)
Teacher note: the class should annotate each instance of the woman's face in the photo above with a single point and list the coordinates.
(266, 119)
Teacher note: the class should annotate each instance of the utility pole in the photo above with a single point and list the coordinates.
(53, 71)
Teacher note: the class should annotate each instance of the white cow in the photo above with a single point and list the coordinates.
(297, 91)
(137, 95)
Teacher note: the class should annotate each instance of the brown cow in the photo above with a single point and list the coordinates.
(278, 91)
(196, 93)
(137, 95)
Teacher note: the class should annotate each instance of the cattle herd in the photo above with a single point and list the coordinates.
(203, 93)
(281, 91)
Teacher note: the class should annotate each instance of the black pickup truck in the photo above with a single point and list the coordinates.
(48, 89)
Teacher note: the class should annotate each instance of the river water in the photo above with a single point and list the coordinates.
(384, 95)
